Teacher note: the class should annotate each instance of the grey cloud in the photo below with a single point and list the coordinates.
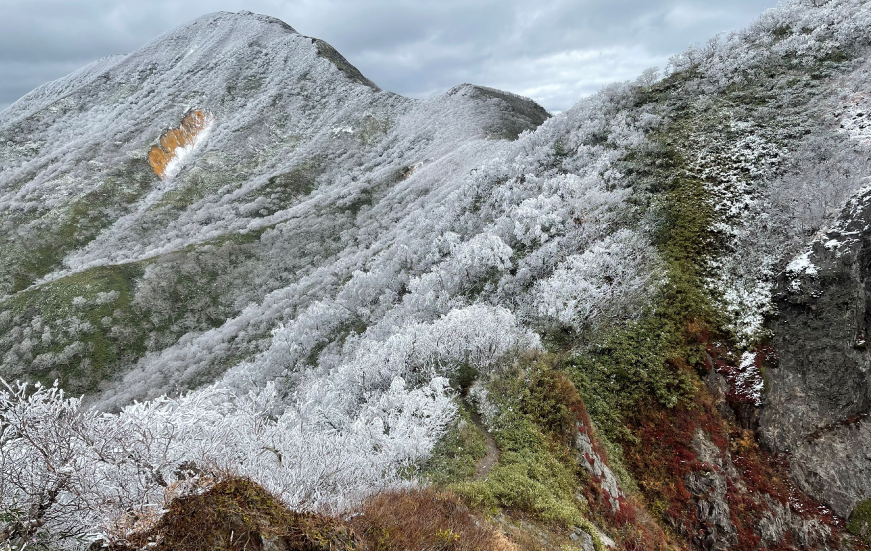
(17, 79)
(557, 51)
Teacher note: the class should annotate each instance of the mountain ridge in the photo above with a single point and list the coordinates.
(345, 277)
(341, 122)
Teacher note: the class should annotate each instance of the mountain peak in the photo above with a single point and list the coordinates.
(227, 102)
(241, 17)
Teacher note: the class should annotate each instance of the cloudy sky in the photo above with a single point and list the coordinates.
(555, 51)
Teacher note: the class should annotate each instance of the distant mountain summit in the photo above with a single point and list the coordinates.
(204, 139)
(277, 99)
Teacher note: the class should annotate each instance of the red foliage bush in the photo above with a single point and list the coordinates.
(239, 515)
(663, 456)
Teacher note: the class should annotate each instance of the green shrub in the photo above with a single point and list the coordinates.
(553, 403)
(536, 482)
(535, 472)
(457, 454)
(860, 521)
(630, 366)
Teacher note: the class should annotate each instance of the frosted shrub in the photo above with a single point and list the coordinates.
(69, 474)
(603, 284)
(325, 444)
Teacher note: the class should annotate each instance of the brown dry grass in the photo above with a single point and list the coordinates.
(161, 155)
(236, 514)
(418, 520)
(239, 515)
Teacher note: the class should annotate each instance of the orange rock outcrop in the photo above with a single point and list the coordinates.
(163, 153)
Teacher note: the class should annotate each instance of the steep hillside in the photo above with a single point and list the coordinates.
(597, 329)
(115, 253)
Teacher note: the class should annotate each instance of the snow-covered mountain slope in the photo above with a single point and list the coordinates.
(341, 273)
(299, 150)
(323, 249)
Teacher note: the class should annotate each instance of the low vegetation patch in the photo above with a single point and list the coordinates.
(418, 520)
(860, 521)
(457, 454)
(536, 473)
(238, 514)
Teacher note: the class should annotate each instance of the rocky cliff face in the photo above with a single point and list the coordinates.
(819, 399)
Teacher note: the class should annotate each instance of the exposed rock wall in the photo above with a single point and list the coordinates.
(590, 459)
(709, 488)
(819, 396)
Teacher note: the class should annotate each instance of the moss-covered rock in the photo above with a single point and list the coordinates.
(860, 521)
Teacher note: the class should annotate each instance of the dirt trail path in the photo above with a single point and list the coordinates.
(485, 463)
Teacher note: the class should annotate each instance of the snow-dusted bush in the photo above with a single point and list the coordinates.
(69, 472)
(605, 283)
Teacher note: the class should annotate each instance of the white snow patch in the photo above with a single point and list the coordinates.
(182, 153)
(802, 264)
(749, 382)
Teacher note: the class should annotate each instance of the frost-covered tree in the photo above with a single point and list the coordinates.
(605, 283)
(70, 473)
